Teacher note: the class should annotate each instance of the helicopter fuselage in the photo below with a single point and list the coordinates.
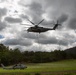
(38, 29)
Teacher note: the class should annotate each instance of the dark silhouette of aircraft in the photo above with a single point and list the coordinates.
(38, 29)
(17, 66)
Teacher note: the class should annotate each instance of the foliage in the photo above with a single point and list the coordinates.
(12, 56)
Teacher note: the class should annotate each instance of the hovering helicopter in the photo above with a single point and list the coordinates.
(36, 28)
(16, 66)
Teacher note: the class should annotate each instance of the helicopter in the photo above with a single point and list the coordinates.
(38, 29)
(16, 66)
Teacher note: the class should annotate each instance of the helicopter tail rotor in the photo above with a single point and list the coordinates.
(56, 25)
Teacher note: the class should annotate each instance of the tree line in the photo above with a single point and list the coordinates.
(13, 56)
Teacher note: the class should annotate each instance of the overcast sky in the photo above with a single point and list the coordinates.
(15, 12)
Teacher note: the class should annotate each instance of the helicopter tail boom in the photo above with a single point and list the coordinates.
(5, 67)
(2, 65)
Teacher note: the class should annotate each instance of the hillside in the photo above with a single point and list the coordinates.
(71, 50)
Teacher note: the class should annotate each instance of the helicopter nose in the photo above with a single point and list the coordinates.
(28, 30)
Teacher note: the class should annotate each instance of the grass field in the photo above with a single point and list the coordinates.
(66, 67)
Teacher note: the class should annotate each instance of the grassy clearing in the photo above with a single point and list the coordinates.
(66, 65)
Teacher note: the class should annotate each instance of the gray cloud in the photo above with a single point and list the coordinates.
(29, 35)
(13, 20)
(24, 16)
(37, 8)
(36, 11)
(64, 39)
(63, 42)
(32, 35)
(3, 11)
(72, 23)
(2, 25)
(22, 42)
(3, 1)
(36, 48)
(63, 18)
(49, 40)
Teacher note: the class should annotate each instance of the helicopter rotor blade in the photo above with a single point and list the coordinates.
(40, 22)
(31, 22)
